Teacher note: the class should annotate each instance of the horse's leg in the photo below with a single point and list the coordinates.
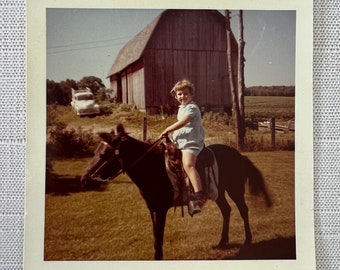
(225, 210)
(243, 209)
(158, 224)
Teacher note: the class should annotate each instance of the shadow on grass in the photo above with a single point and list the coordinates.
(279, 248)
(63, 185)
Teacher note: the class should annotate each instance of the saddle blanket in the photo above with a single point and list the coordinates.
(208, 172)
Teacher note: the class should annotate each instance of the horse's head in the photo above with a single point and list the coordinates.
(105, 163)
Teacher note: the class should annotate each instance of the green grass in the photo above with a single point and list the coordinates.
(114, 224)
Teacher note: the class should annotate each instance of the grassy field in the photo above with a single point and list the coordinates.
(264, 108)
(114, 224)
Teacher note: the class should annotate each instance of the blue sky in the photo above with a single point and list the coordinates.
(85, 42)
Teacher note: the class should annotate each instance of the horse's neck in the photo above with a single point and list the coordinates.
(135, 150)
(137, 163)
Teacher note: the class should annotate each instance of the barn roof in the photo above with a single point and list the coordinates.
(133, 50)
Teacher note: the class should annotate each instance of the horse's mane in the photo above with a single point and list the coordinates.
(158, 149)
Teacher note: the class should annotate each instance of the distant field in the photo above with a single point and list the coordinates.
(114, 223)
(264, 108)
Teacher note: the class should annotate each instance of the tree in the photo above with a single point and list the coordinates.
(53, 92)
(240, 78)
(61, 93)
(66, 92)
(238, 120)
(91, 82)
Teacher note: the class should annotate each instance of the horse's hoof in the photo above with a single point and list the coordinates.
(158, 256)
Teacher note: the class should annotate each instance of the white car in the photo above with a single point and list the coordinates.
(83, 102)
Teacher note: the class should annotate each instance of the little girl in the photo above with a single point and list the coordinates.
(188, 136)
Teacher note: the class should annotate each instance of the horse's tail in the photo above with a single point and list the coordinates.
(256, 182)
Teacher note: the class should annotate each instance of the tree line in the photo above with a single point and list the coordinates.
(285, 91)
(60, 92)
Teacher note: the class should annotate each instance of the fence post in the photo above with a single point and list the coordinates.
(254, 123)
(145, 126)
(272, 129)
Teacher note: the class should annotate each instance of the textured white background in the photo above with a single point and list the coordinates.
(326, 132)
(326, 69)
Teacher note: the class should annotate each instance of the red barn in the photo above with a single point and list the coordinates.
(177, 44)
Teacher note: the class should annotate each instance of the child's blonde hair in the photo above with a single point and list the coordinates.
(180, 85)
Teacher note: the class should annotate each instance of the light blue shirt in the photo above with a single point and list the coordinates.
(190, 137)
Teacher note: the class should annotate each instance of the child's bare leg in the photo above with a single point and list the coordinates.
(189, 163)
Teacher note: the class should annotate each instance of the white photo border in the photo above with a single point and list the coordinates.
(36, 136)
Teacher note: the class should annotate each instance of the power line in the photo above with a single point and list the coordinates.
(89, 42)
(69, 47)
(88, 48)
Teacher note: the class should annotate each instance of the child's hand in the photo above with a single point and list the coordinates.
(164, 134)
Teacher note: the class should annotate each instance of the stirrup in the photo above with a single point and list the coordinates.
(193, 208)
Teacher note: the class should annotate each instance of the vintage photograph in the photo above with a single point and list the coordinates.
(169, 134)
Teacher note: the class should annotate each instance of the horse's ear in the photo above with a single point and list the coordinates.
(120, 129)
(122, 134)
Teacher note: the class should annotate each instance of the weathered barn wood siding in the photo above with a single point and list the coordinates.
(114, 87)
(132, 87)
(187, 44)
(136, 88)
(189, 30)
(125, 96)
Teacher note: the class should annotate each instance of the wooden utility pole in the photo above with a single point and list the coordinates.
(234, 93)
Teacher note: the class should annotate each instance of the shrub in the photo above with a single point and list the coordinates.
(65, 142)
(106, 109)
(69, 143)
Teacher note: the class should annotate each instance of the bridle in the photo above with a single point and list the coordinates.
(95, 174)
(116, 154)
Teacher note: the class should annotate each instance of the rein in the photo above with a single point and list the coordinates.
(153, 145)
(122, 170)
